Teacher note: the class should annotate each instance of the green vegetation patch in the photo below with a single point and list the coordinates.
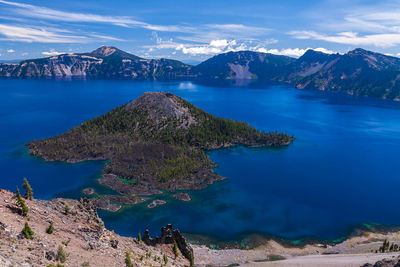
(126, 181)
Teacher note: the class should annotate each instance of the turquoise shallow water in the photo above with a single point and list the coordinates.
(341, 171)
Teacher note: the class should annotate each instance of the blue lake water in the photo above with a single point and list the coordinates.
(341, 171)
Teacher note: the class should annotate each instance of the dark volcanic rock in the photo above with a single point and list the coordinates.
(156, 203)
(384, 263)
(105, 204)
(88, 191)
(168, 236)
(182, 196)
(114, 243)
(50, 255)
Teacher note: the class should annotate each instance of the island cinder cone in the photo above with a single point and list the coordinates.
(154, 142)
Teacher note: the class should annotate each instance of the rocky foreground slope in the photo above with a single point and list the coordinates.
(86, 242)
(80, 233)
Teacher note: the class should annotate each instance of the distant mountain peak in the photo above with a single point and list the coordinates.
(359, 51)
(105, 51)
(112, 52)
(160, 106)
(312, 55)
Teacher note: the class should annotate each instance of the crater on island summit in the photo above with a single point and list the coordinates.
(153, 143)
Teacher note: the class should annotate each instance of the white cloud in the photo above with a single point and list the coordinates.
(52, 52)
(48, 13)
(24, 54)
(10, 50)
(296, 52)
(223, 46)
(33, 11)
(41, 35)
(221, 43)
(351, 38)
(367, 25)
(219, 46)
(47, 35)
(239, 28)
(214, 47)
(29, 14)
(105, 37)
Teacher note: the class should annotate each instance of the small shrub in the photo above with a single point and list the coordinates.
(50, 228)
(85, 264)
(165, 259)
(61, 255)
(67, 211)
(27, 231)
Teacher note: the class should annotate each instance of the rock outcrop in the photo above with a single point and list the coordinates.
(384, 263)
(79, 232)
(182, 196)
(169, 236)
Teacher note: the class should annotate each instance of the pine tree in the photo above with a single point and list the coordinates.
(191, 259)
(21, 203)
(128, 261)
(139, 237)
(28, 190)
(27, 231)
(175, 249)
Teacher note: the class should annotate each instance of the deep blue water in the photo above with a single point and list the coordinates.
(342, 169)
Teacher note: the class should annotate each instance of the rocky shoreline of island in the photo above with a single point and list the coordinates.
(128, 194)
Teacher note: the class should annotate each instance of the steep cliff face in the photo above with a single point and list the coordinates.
(57, 66)
(359, 72)
(242, 65)
(105, 62)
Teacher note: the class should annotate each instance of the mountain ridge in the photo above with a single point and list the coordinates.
(357, 72)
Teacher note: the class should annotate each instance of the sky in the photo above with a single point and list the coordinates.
(193, 31)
